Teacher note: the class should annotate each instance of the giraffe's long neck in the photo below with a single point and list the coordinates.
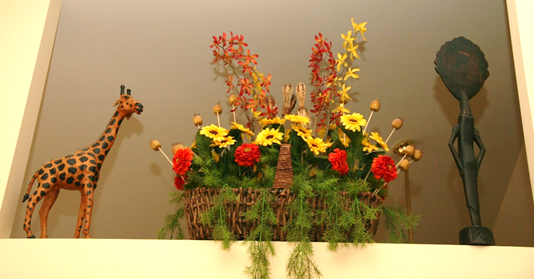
(104, 143)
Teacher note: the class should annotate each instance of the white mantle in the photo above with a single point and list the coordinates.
(106, 258)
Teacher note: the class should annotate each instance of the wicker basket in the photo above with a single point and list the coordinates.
(200, 200)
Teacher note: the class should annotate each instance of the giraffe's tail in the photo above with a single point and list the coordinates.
(27, 195)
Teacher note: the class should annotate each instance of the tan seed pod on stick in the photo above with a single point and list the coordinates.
(156, 146)
(396, 124)
(375, 106)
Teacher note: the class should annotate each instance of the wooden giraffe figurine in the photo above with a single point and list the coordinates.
(77, 171)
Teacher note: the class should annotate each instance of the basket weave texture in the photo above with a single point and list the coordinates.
(200, 200)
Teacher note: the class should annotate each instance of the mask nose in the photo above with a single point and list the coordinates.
(139, 107)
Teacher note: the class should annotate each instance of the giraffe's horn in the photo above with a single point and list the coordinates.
(122, 89)
(129, 92)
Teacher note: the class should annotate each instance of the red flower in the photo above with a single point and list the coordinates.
(247, 154)
(182, 161)
(179, 182)
(384, 167)
(338, 159)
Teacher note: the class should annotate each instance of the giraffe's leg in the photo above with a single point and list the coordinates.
(81, 215)
(89, 204)
(32, 202)
(49, 200)
(28, 219)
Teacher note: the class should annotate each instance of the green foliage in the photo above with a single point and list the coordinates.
(397, 221)
(300, 264)
(259, 239)
(172, 221)
(216, 217)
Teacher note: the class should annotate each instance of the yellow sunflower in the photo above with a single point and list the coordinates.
(368, 147)
(268, 137)
(353, 121)
(317, 145)
(242, 128)
(301, 131)
(379, 140)
(277, 120)
(214, 132)
(224, 142)
(297, 119)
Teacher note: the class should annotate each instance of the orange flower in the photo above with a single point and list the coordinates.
(384, 167)
(182, 161)
(247, 154)
(338, 159)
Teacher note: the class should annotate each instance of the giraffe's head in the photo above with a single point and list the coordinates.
(127, 104)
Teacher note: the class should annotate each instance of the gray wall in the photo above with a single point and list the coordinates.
(160, 49)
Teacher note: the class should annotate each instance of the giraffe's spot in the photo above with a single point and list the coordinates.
(96, 150)
(73, 170)
(69, 156)
(96, 144)
(112, 122)
(70, 180)
(126, 97)
(88, 193)
(105, 145)
(71, 162)
(58, 161)
(108, 130)
(83, 167)
(79, 154)
(45, 176)
(101, 158)
(78, 183)
(35, 193)
(92, 169)
(92, 178)
(80, 177)
(85, 149)
(43, 193)
(48, 165)
(120, 121)
(122, 106)
(38, 199)
(61, 167)
(92, 162)
(110, 138)
(62, 176)
(102, 138)
(53, 180)
(89, 185)
(83, 159)
(46, 185)
(107, 150)
(116, 114)
(53, 171)
(41, 171)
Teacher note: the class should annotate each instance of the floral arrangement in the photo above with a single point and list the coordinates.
(329, 152)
